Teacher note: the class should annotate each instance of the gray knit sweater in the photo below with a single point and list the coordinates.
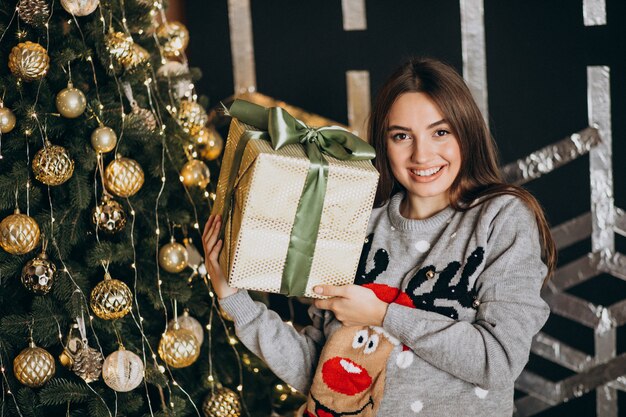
(463, 289)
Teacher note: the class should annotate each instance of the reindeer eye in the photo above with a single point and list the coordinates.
(372, 344)
(359, 339)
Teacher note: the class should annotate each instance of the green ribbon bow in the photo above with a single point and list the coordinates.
(283, 130)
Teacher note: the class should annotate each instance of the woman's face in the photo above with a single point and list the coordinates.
(423, 153)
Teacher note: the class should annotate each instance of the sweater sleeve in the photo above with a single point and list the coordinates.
(290, 354)
(493, 350)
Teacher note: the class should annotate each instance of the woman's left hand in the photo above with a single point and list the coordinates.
(353, 305)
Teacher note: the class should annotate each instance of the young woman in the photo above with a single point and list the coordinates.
(446, 298)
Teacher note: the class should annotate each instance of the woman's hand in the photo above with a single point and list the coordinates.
(212, 247)
(353, 305)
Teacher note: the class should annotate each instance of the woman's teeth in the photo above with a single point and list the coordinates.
(426, 172)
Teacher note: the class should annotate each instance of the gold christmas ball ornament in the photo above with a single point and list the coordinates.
(212, 145)
(33, 12)
(103, 139)
(123, 177)
(191, 116)
(19, 233)
(179, 347)
(122, 370)
(111, 299)
(109, 216)
(71, 102)
(29, 61)
(34, 366)
(195, 173)
(189, 323)
(120, 46)
(7, 120)
(222, 402)
(175, 38)
(173, 257)
(38, 274)
(52, 165)
(80, 7)
(79, 357)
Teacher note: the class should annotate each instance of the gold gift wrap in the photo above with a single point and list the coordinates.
(267, 192)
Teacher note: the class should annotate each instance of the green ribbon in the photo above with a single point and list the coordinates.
(280, 128)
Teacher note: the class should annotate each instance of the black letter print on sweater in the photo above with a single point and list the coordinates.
(442, 289)
(381, 261)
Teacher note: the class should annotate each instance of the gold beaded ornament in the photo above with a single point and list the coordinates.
(191, 116)
(123, 177)
(52, 164)
(29, 61)
(179, 347)
(19, 233)
(34, 366)
(111, 298)
(222, 402)
(189, 323)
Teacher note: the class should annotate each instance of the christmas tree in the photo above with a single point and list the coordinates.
(106, 162)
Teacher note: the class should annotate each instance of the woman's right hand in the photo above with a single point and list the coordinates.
(212, 246)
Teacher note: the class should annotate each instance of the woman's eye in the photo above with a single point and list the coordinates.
(441, 132)
(400, 136)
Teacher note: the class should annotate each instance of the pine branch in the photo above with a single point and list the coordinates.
(61, 391)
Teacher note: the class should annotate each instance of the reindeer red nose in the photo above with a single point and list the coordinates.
(345, 376)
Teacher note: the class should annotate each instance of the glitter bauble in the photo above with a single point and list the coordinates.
(71, 102)
(52, 165)
(34, 366)
(80, 7)
(123, 177)
(29, 61)
(111, 299)
(38, 274)
(179, 347)
(187, 322)
(33, 12)
(7, 120)
(122, 370)
(212, 145)
(195, 173)
(146, 117)
(222, 402)
(83, 360)
(175, 38)
(173, 257)
(138, 56)
(191, 116)
(109, 216)
(103, 139)
(19, 233)
(120, 46)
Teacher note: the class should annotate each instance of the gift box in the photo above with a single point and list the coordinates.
(294, 213)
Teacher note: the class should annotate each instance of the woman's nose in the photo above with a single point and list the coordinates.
(421, 151)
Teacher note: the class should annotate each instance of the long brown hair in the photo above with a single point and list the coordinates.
(479, 176)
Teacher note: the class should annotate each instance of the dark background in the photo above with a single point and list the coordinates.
(537, 55)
